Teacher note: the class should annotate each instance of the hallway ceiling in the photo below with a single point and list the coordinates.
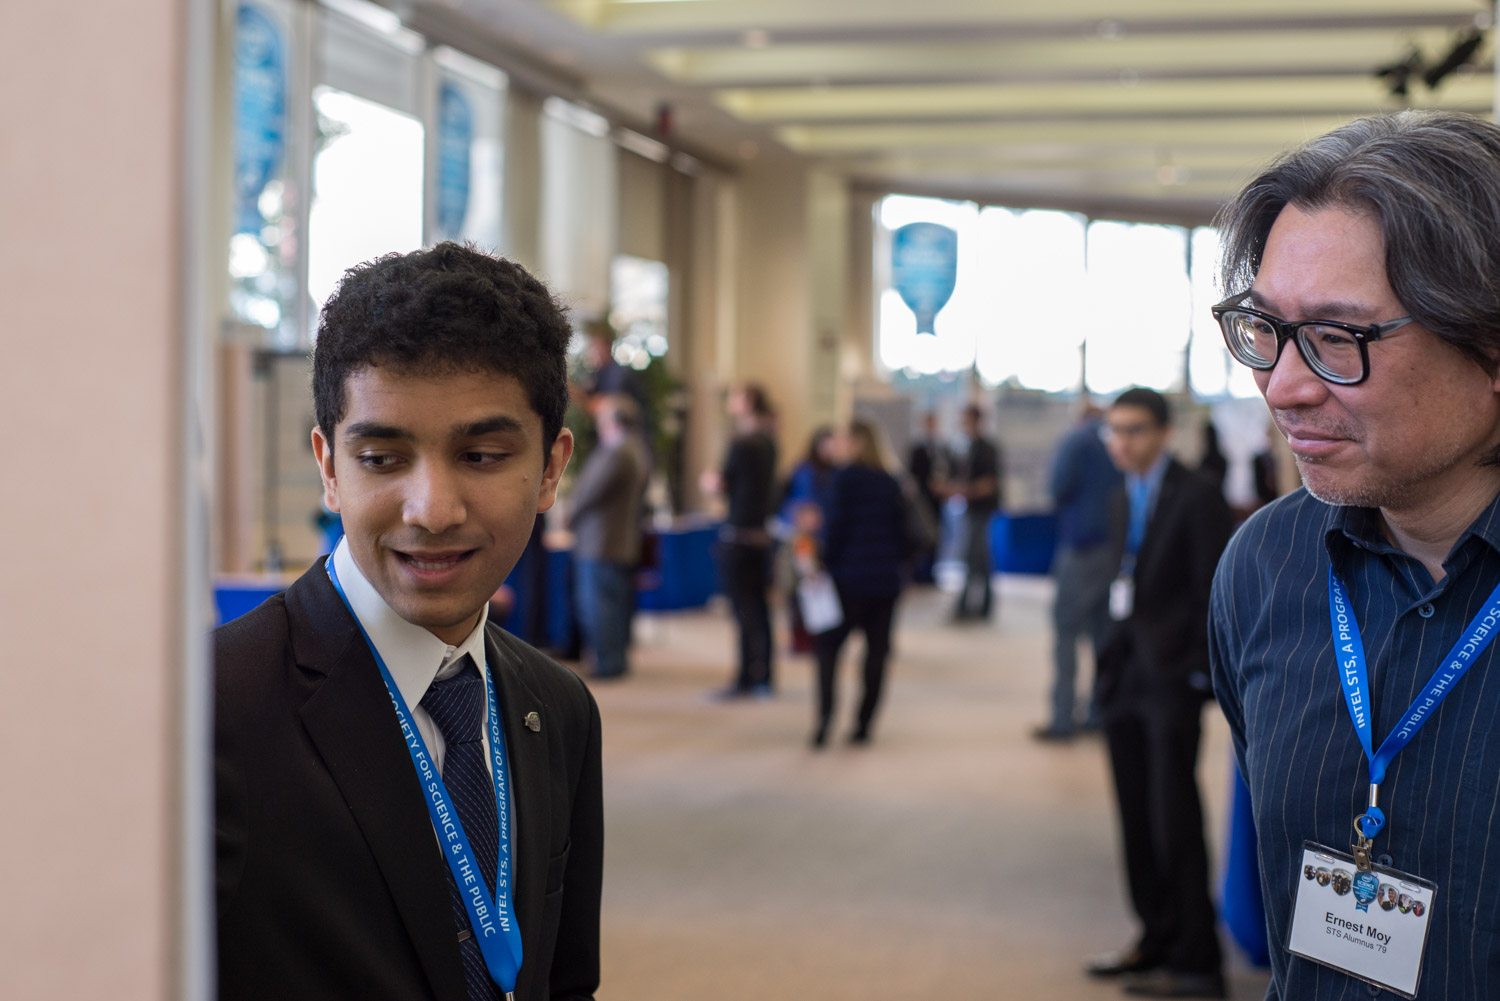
(1161, 107)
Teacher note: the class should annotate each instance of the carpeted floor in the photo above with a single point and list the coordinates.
(954, 857)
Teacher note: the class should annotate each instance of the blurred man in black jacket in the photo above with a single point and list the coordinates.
(1169, 527)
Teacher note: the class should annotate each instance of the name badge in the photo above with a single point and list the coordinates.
(1121, 598)
(1369, 924)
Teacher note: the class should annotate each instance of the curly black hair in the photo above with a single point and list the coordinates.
(447, 309)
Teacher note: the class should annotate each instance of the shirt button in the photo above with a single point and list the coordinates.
(1425, 610)
(1374, 991)
(1386, 861)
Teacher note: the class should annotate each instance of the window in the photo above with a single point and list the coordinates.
(957, 323)
(1034, 264)
(1049, 300)
(1138, 307)
(367, 187)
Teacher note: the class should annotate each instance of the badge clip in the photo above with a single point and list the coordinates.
(1361, 852)
(1365, 825)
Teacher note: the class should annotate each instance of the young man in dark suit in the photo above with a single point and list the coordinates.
(408, 798)
(1168, 527)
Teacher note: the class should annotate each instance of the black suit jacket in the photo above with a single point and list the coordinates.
(331, 883)
(1159, 654)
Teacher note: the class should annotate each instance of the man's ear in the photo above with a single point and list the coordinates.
(323, 451)
(557, 461)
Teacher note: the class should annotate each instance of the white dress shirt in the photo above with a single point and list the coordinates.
(415, 657)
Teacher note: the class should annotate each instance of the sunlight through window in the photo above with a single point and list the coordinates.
(367, 187)
(1139, 306)
(1048, 300)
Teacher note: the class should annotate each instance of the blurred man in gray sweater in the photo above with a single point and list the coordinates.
(605, 517)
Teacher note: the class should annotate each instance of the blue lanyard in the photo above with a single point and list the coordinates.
(494, 924)
(1349, 652)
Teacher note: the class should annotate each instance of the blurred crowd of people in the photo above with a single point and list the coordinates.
(849, 528)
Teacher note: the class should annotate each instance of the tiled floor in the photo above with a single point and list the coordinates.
(953, 858)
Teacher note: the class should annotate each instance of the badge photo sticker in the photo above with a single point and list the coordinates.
(1392, 895)
(1387, 897)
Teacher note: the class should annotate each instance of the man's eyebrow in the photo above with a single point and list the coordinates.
(1330, 309)
(375, 429)
(498, 424)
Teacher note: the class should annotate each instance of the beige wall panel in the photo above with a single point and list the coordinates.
(89, 600)
(237, 509)
(643, 207)
(829, 249)
(521, 214)
(857, 356)
(774, 318)
(698, 341)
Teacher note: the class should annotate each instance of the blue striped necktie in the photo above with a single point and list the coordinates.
(457, 706)
(1140, 504)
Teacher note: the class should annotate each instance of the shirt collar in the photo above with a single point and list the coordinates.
(1153, 476)
(414, 656)
(1361, 526)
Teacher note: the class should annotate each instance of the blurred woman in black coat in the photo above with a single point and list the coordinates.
(867, 546)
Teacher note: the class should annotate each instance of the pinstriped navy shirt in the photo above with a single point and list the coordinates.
(1275, 677)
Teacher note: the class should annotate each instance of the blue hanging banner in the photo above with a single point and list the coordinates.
(455, 147)
(259, 111)
(924, 269)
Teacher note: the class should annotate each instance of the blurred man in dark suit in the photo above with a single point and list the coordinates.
(1168, 527)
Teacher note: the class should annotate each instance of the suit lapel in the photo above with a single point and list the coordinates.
(351, 722)
(527, 753)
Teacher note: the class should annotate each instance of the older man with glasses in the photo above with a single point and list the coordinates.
(1350, 621)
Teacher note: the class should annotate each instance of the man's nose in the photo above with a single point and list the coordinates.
(1291, 383)
(434, 498)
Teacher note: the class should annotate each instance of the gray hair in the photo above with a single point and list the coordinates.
(1431, 180)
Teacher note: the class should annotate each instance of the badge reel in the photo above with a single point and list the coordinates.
(1367, 920)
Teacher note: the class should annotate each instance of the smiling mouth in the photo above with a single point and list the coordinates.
(436, 562)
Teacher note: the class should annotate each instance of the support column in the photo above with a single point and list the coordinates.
(106, 567)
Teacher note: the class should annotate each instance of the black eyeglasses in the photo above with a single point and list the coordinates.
(1336, 352)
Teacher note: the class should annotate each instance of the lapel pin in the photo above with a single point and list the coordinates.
(533, 722)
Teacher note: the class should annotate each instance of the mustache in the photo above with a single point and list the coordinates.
(1297, 420)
